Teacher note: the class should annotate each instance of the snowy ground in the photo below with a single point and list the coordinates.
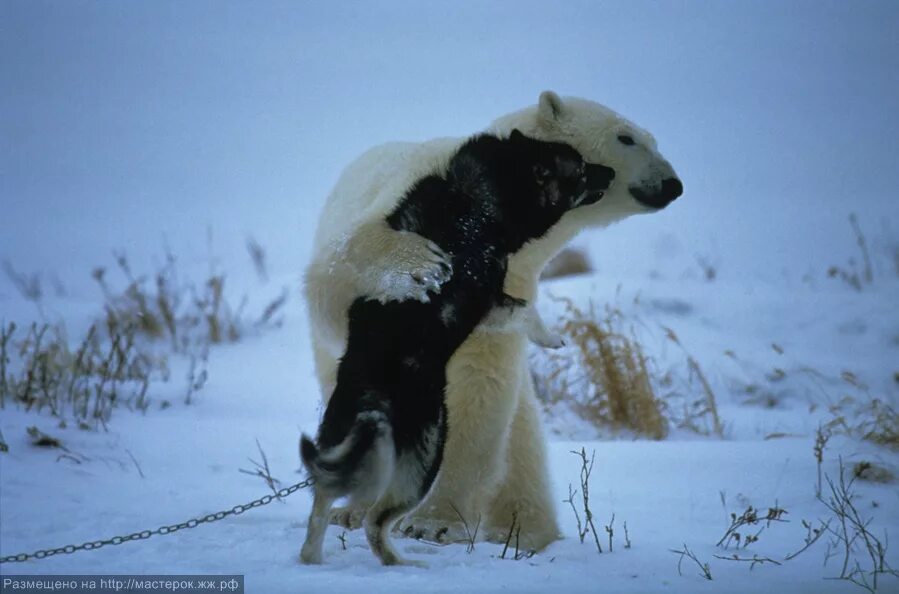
(669, 493)
(133, 126)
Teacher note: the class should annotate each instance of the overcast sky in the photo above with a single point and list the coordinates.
(127, 124)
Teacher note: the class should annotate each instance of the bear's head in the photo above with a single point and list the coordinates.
(644, 180)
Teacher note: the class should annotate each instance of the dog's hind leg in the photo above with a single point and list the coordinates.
(315, 530)
(378, 522)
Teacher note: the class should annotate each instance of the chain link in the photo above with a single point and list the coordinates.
(145, 534)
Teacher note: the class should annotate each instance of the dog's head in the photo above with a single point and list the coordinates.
(552, 178)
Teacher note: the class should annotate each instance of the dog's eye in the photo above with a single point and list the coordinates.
(541, 172)
(626, 140)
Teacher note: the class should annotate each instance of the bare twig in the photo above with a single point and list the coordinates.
(257, 255)
(274, 306)
(519, 555)
(821, 438)
(29, 286)
(512, 530)
(851, 531)
(705, 570)
(471, 536)
(263, 471)
(610, 531)
(586, 469)
(811, 538)
(581, 532)
(136, 465)
(863, 247)
(6, 333)
(753, 561)
(750, 517)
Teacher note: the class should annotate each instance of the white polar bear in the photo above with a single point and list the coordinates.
(494, 463)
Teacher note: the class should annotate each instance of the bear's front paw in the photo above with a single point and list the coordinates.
(434, 269)
(416, 268)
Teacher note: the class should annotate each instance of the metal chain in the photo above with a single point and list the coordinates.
(144, 534)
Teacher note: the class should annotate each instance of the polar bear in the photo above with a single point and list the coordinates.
(494, 466)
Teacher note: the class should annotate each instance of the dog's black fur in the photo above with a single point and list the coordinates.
(381, 438)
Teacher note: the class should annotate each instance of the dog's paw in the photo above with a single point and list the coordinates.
(348, 517)
(417, 268)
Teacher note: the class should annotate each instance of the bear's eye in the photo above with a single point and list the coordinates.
(626, 140)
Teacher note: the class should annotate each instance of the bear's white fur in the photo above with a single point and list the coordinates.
(494, 463)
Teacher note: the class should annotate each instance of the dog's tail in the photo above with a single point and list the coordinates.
(359, 465)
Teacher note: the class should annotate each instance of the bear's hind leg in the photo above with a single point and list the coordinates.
(526, 491)
(482, 382)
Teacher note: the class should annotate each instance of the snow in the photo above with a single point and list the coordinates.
(190, 127)
(669, 493)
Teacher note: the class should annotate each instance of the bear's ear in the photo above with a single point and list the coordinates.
(549, 108)
(516, 135)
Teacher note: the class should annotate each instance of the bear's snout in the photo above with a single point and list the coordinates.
(670, 189)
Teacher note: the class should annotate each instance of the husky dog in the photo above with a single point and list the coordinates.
(381, 439)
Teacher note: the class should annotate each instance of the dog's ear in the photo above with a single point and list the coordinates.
(516, 135)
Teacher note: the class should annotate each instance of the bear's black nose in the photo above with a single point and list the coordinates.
(671, 189)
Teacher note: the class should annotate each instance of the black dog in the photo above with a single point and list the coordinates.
(382, 435)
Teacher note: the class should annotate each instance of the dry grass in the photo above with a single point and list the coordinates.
(854, 274)
(699, 414)
(871, 420)
(604, 374)
(606, 377)
(184, 311)
(29, 286)
(116, 361)
(84, 384)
